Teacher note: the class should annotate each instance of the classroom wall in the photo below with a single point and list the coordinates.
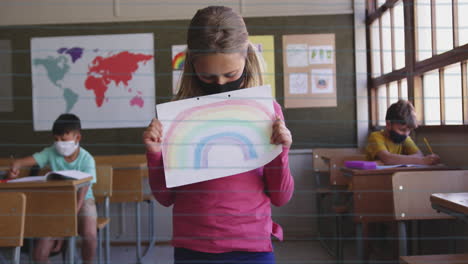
(13, 12)
(311, 127)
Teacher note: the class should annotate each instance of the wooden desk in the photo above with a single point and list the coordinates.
(373, 197)
(51, 208)
(332, 160)
(455, 204)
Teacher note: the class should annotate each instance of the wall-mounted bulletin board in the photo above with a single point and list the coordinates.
(309, 70)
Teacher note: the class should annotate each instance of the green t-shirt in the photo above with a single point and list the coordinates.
(377, 142)
(84, 163)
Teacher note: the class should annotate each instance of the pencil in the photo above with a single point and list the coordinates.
(427, 145)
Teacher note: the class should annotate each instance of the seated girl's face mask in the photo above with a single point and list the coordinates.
(66, 148)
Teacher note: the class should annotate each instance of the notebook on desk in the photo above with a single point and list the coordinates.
(372, 165)
(54, 175)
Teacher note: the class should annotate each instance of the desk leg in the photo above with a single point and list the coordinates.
(16, 255)
(151, 225)
(359, 243)
(31, 250)
(138, 231)
(71, 250)
(402, 238)
(107, 231)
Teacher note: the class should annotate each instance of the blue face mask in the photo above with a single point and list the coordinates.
(214, 88)
(397, 138)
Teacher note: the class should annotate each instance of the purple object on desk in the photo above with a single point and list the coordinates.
(360, 164)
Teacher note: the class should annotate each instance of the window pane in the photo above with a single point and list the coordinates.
(423, 28)
(382, 104)
(375, 49)
(444, 27)
(453, 95)
(393, 92)
(431, 98)
(399, 29)
(462, 21)
(404, 89)
(386, 42)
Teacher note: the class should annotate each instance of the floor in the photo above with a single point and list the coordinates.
(290, 252)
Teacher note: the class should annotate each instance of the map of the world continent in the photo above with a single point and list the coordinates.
(107, 80)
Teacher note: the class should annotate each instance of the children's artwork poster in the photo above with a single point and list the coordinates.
(320, 55)
(178, 61)
(6, 81)
(219, 135)
(309, 70)
(322, 81)
(106, 80)
(265, 47)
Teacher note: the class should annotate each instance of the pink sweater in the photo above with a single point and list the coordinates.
(226, 214)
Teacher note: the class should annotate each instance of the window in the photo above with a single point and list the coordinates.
(424, 34)
(462, 22)
(453, 95)
(434, 77)
(375, 49)
(399, 33)
(431, 98)
(382, 104)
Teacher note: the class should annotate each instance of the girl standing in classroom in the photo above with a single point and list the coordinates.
(225, 220)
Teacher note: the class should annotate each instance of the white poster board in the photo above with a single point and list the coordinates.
(218, 135)
(107, 80)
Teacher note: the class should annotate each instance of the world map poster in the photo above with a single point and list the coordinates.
(108, 81)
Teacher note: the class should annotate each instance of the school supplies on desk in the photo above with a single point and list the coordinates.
(403, 166)
(360, 164)
(427, 145)
(54, 175)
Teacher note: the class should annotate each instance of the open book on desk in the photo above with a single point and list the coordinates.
(54, 175)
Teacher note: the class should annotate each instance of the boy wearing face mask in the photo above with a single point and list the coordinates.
(393, 145)
(66, 154)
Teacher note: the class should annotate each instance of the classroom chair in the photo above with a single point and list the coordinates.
(12, 216)
(327, 163)
(411, 193)
(129, 172)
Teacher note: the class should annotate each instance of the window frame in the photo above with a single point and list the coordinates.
(414, 70)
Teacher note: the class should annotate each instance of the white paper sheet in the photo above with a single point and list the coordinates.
(298, 83)
(218, 135)
(296, 55)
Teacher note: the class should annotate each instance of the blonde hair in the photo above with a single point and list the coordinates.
(218, 29)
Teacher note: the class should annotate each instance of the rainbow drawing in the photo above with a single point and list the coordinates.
(178, 61)
(194, 132)
(205, 145)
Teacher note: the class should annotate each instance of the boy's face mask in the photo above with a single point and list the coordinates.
(66, 147)
(396, 137)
